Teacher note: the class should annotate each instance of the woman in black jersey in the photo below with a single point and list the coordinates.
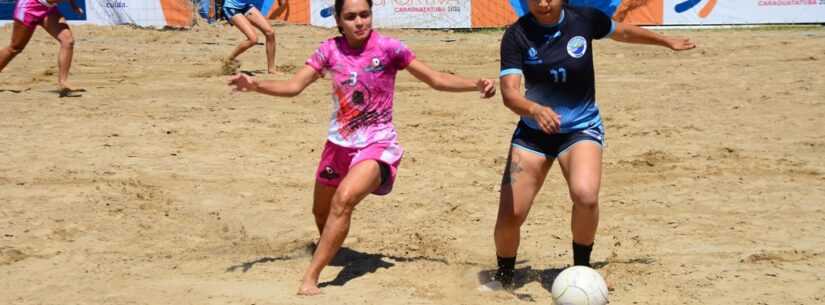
(551, 49)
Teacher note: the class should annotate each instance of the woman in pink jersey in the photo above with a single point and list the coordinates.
(361, 155)
(28, 14)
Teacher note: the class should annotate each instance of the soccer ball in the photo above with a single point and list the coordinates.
(579, 285)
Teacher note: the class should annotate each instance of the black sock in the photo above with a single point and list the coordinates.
(506, 262)
(506, 270)
(581, 254)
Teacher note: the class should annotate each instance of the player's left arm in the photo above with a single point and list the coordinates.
(448, 82)
(633, 34)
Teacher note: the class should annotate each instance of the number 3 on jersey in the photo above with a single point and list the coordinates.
(559, 75)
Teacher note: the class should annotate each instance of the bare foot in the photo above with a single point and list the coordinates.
(65, 90)
(67, 86)
(309, 288)
(230, 66)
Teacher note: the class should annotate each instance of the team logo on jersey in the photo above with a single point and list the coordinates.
(358, 97)
(328, 173)
(375, 65)
(533, 57)
(577, 47)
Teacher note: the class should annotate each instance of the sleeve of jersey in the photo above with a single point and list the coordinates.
(603, 26)
(511, 53)
(401, 54)
(320, 59)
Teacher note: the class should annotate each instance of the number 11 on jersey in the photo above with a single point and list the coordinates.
(559, 75)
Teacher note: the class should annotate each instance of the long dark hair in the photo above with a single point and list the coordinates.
(339, 5)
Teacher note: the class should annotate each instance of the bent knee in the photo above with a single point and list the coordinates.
(341, 209)
(67, 42)
(320, 212)
(269, 35)
(588, 199)
(16, 49)
(512, 219)
(343, 204)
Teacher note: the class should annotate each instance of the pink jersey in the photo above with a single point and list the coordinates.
(363, 85)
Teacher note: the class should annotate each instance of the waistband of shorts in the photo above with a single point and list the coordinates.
(46, 3)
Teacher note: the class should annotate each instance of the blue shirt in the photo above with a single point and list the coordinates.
(557, 63)
(240, 4)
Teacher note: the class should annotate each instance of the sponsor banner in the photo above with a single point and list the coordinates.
(403, 13)
(292, 11)
(492, 13)
(6, 10)
(111, 12)
(154, 13)
(452, 13)
(697, 12)
(178, 13)
(639, 12)
(67, 11)
(628, 11)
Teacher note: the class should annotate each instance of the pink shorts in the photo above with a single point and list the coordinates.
(32, 12)
(337, 160)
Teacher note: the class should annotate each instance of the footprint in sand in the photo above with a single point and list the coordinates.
(9, 255)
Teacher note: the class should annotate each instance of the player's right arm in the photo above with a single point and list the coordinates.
(514, 99)
(510, 78)
(286, 88)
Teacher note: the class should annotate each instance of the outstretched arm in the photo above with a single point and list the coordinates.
(634, 34)
(448, 82)
(287, 88)
(514, 99)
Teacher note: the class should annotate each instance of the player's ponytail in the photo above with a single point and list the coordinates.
(339, 5)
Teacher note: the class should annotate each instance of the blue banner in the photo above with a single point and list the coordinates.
(6, 9)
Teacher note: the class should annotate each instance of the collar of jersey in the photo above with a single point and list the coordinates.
(553, 26)
(346, 49)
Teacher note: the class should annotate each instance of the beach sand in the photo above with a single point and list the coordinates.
(160, 186)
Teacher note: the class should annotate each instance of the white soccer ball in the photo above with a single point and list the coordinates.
(579, 285)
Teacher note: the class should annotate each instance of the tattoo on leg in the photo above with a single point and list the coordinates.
(513, 169)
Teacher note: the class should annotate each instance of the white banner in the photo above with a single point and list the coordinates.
(403, 13)
(698, 12)
(138, 12)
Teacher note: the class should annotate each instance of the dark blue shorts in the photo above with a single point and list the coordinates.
(229, 12)
(553, 145)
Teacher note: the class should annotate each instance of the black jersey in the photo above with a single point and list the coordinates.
(557, 63)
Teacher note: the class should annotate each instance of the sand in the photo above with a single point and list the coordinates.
(160, 186)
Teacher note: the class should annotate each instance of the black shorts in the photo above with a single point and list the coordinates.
(553, 145)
